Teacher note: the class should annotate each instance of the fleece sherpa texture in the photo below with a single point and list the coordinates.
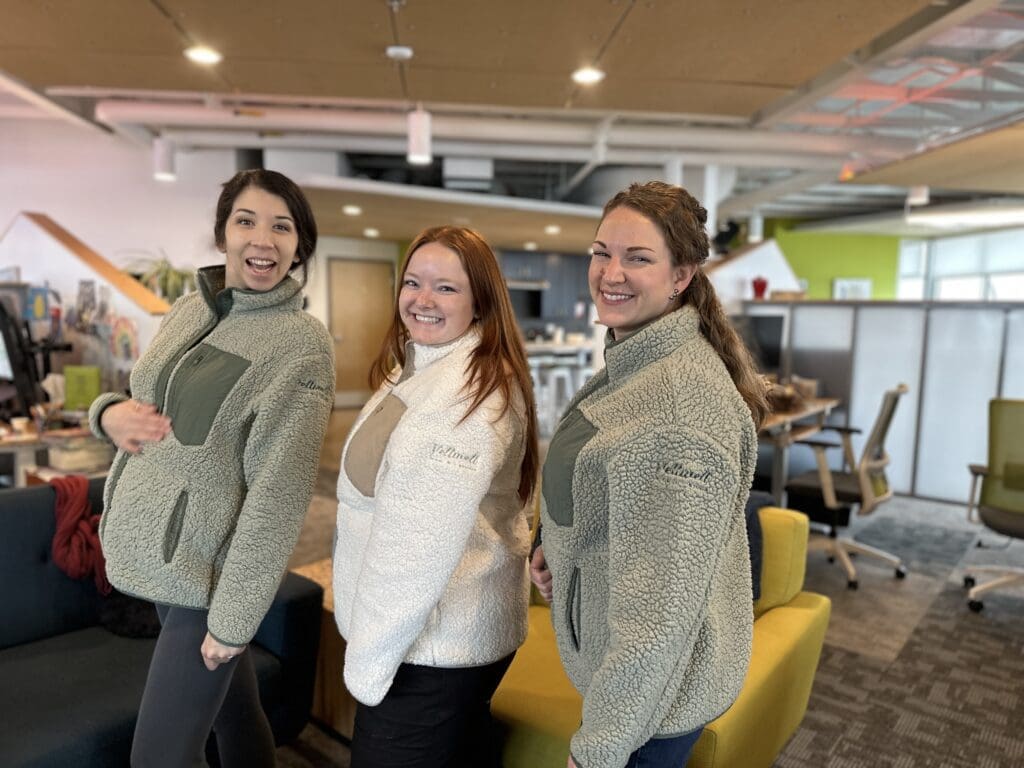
(209, 521)
(431, 568)
(652, 597)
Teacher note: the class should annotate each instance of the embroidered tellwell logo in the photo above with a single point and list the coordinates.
(312, 386)
(684, 471)
(451, 455)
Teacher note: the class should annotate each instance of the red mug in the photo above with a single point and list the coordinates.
(760, 287)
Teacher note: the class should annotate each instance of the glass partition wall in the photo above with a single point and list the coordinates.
(954, 357)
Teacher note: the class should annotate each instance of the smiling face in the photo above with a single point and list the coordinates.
(631, 273)
(260, 241)
(436, 301)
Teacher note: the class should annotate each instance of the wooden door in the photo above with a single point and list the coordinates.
(361, 295)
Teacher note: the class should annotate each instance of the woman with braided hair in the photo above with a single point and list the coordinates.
(644, 553)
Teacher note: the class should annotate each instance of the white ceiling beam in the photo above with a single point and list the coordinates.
(549, 132)
(45, 104)
(205, 139)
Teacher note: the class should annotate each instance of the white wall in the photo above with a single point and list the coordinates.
(733, 279)
(101, 188)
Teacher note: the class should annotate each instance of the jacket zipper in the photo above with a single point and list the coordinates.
(175, 363)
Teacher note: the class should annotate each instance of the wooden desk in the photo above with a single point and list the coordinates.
(783, 428)
(333, 705)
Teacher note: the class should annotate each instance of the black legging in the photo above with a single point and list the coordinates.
(184, 700)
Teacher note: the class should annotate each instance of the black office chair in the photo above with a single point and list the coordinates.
(827, 497)
(1001, 506)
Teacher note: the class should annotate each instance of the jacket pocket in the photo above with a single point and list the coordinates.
(199, 388)
(147, 516)
(173, 532)
(572, 609)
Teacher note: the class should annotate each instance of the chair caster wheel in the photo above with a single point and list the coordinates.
(975, 605)
(851, 584)
(969, 582)
(901, 572)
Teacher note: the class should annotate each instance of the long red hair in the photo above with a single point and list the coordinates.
(499, 360)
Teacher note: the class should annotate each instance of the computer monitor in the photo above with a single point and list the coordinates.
(763, 335)
(526, 303)
(19, 376)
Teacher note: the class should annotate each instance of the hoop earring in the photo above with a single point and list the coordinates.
(675, 295)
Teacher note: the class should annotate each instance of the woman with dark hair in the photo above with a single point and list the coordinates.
(643, 495)
(430, 578)
(218, 450)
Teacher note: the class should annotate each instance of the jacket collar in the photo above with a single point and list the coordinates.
(225, 300)
(421, 356)
(656, 340)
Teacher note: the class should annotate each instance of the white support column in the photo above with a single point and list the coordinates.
(674, 170)
(755, 227)
(710, 198)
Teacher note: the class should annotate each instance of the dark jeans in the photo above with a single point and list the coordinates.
(665, 753)
(432, 717)
(184, 700)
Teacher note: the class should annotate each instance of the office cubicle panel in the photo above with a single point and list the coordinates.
(820, 348)
(888, 342)
(1013, 357)
(954, 357)
(963, 357)
(821, 340)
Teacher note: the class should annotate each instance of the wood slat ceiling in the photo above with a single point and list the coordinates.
(729, 57)
(399, 217)
(991, 162)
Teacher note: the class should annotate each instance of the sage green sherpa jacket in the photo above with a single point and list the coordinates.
(644, 533)
(207, 517)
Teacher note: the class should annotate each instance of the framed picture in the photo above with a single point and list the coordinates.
(851, 288)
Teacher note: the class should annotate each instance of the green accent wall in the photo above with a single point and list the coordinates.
(820, 257)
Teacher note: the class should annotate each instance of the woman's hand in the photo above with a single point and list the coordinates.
(132, 423)
(570, 763)
(215, 654)
(539, 573)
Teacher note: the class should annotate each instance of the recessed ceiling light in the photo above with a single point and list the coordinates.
(530, 246)
(398, 52)
(203, 54)
(552, 229)
(351, 210)
(371, 232)
(587, 75)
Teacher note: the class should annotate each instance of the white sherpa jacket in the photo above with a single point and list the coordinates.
(430, 554)
(644, 532)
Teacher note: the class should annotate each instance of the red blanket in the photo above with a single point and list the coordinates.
(76, 545)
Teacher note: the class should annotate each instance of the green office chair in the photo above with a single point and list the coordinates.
(1001, 507)
(827, 497)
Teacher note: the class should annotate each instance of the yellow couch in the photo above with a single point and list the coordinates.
(539, 709)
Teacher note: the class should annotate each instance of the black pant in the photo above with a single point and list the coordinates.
(432, 717)
(184, 700)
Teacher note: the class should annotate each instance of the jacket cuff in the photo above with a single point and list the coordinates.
(99, 405)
